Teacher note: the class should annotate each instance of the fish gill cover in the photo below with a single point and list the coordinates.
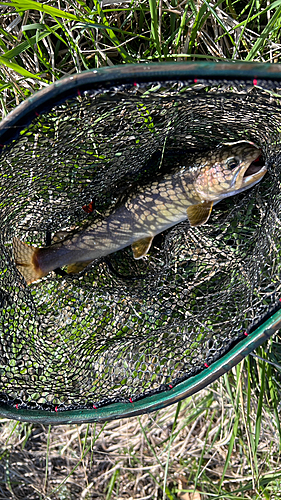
(123, 329)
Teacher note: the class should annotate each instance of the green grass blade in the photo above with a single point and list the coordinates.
(237, 419)
(260, 13)
(275, 401)
(112, 484)
(243, 29)
(230, 447)
(125, 56)
(203, 449)
(148, 443)
(248, 422)
(182, 26)
(168, 492)
(169, 449)
(155, 25)
(259, 409)
(86, 450)
(212, 10)
(33, 26)
(199, 21)
(88, 24)
(264, 35)
(16, 51)
(228, 388)
(2, 45)
(17, 68)
(23, 5)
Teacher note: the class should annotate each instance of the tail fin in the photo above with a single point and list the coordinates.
(26, 262)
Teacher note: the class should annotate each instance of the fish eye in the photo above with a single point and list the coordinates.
(232, 163)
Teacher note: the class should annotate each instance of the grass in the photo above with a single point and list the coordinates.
(224, 443)
(215, 443)
(40, 43)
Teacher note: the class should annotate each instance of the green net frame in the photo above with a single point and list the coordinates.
(120, 100)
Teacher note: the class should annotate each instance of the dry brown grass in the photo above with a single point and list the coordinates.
(128, 459)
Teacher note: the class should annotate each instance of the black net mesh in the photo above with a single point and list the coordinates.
(123, 328)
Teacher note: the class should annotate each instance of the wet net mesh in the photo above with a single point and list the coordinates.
(124, 329)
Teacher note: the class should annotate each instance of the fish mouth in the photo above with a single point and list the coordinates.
(255, 171)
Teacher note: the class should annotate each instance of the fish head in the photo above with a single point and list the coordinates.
(230, 170)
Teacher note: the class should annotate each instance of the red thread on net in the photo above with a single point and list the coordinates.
(245, 333)
(37, 114)
(78, 92)
(88, 208)
(94, 407)
(130, 400)
(17, 407)
(56, 408)
(255, 81)
(195, 80)
(205, 364)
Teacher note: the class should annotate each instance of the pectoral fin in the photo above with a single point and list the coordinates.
(199, 214)
(141, 247)
(77, 267)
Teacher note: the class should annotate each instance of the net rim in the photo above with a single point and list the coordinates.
(71, 86)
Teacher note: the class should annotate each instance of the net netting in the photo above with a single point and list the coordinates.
(123, 329)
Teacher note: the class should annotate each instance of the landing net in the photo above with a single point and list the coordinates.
(126, 336)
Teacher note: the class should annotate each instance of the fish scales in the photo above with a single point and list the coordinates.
(189, 193)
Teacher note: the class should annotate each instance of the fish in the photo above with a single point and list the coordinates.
(189, 193)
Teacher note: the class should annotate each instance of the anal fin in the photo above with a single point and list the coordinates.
(77, 267)
(199, 214)
(141, 247)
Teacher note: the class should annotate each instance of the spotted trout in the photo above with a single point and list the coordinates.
(190, 193)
